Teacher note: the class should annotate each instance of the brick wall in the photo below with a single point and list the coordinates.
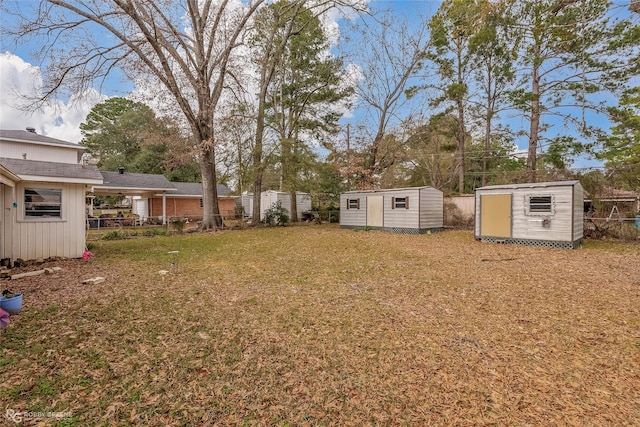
(190, 207)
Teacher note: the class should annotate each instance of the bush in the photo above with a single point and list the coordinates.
(114, 235)
(276, 215)
(178, 225)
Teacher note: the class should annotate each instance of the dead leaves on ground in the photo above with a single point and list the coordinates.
(323, 326)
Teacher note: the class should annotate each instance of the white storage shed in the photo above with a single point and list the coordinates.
(269, 197)
(400, 210)
(540, 214)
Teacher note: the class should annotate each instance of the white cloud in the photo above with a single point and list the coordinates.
(20, 81)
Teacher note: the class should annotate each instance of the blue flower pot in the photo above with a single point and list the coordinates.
(11, 305)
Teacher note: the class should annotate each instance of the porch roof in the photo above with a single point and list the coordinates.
(133, 184)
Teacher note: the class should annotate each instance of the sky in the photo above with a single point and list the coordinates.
(20, 77)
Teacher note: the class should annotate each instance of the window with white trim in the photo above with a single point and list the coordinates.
(42, 203)
(538, 204)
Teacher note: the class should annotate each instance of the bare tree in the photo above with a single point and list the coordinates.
(185, 44)
(392, 57)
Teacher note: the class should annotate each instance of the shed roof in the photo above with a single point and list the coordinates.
(530, 185)
(35, 170)
(34, 138)
(386, 190)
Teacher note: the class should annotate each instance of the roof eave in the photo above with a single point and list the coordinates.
(57, 179)
(51, 144)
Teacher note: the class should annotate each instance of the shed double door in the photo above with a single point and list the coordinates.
(495, 215)
(375, 211)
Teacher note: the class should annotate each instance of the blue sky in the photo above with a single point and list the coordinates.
(20, 75)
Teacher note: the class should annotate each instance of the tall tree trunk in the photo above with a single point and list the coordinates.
(534, 119)
(461, 138)
(256, 158)
(211, 218)
(487, 126)
(461, 123)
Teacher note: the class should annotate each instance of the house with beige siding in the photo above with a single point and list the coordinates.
(414, 210)
(43, 185)
(539, 214)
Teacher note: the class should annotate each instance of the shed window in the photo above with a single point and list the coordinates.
(539, 205)
(353, 203)
(399, 203)
(42, 203)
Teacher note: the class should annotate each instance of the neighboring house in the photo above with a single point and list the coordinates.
(186, 202)
(141, 187)
(42, 196)
(540, 214)
(270, 197)
(156, 199)
(413, 210)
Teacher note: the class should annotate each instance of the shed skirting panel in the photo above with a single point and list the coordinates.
(399, 230)
(533, 242)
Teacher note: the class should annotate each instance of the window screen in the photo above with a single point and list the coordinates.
(540, 205)
(42, 203)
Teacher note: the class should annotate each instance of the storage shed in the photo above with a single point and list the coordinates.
(400, 210)
(540, 214)
(269, 197)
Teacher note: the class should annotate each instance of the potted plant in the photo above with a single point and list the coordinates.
(10, 302)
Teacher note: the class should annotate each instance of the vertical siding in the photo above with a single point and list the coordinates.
(43, 239)
(268, 198)
(303, 203)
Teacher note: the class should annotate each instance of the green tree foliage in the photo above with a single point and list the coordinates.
(569, 53)
(452, 31)
(123, 133)
(430, 153)
(494, 55)
(113, 132)
(302, 97)
(621, 149)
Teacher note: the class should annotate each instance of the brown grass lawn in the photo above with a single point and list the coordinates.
(316, 325)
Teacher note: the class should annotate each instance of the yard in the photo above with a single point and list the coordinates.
(316, 325)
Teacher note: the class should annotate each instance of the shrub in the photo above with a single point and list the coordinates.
(114, 235)
(178, 225)
(276, 215)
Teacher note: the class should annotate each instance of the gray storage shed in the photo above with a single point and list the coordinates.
(400, 210)
(540, 214)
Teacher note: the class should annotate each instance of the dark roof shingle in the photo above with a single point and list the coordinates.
(51, 169)
(136, 180)
(26, 136)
